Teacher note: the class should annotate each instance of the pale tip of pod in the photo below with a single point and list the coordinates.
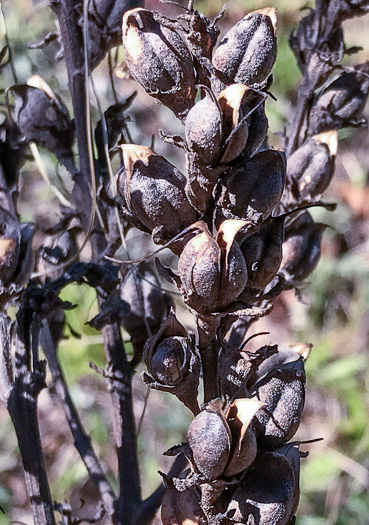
(131, 37)
(268, 11)
(232, 97)
(132, 153)
(303, 349)
(228, 230)
(245, 410)
(330, 138)
(37, 82)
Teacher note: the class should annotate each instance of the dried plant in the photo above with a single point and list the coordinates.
(238, 223)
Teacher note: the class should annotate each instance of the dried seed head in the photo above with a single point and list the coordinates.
(301, 248)
(203, 129)
(172, 363)
(263, 253)
(311, 167)
(209, 437)
(252, 191)
(267, 492)
(248, 51)
(212, 271)
(42, 117)
(181, 508)
(154, 194)
(148, 304)
(341, 103)
(283, 392)
(159, 60)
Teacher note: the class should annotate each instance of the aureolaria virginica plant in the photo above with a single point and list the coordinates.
(237, 221)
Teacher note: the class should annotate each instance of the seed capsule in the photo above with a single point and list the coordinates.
(159, 60)
(181, 508)
(212, 270)
(10, 239)
(311, 167)
(248, 51)
(252, 191)
(154, 194)
(301, 248)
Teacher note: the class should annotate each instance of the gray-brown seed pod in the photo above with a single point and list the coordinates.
(248, 51)
(159, 60)
(153, 191)
(212, 270)
(181, 508)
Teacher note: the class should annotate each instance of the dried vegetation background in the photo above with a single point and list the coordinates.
(333, 314)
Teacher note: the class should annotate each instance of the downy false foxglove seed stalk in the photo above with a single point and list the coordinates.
(237, 223)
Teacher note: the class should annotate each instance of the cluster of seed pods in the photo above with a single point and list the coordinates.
(237, 221)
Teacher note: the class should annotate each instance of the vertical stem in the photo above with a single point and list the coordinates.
(209, 352)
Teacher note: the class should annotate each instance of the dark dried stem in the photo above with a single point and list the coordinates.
(209, 347)
(81, 440)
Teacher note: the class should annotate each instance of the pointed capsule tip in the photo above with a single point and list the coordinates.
(268, 11)
(330, 138)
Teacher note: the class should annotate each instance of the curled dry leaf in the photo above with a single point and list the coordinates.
(159, 60)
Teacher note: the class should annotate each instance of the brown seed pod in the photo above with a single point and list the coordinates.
(182, 508)
(267, 493)
(248, 51)
(159, 60)
(42, 117)
(212, 270)
(341, 103)
(283, 392)
(252, 191)
(172, 363)
(209, 437)
(258, 126)
(153, 193)
(311, 167)
(10, 240)
(301, 248)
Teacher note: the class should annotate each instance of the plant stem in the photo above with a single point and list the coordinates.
(209, 351)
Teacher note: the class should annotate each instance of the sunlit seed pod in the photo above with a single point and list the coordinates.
(301, 248)
(182, 508)
(154, 193)
(148, 304)
(263, 253)
(203, 129)
(209, 438)
(267, 492)
(213, 271)
(252, 191)
(159, 60)
(311, 167)
(283, 392)
(239, 417)
(248, 51)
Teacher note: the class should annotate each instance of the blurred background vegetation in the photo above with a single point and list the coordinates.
(333, 313)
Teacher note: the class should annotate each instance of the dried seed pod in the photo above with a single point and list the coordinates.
(182, 508)
(293, 455)
(212, 271)
(105, 26)
(243, 452)
(316, 64)
(203, 129)
(267, 492)
(263, 253)
(209, 437)
(283, 392)
(341, 103)
(159, 60)
(172, 362)
(56, 250)
(149, 305)
(154, 194)
(258, 127)
(353, 8)
(311, 167)
(248, 51)
(301, 248)
(252, 191)
(42, 117)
